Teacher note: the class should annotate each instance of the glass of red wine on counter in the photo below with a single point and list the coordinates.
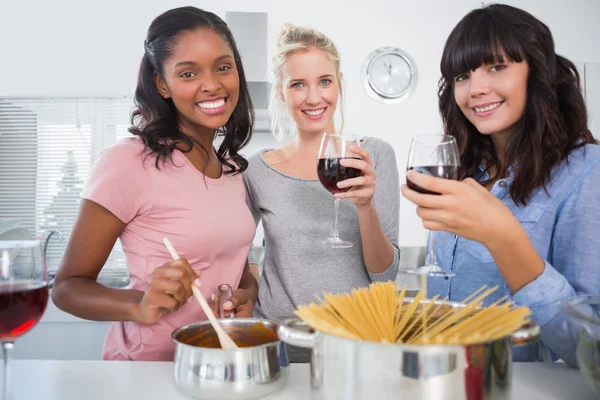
(333, 149)
(434, 155)
(23, 295)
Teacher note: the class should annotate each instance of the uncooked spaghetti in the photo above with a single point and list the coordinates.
(379, 313)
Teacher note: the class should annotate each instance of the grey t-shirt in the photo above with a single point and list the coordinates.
(297, 215)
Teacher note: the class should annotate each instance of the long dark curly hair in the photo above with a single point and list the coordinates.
(155, 119)
(555, 120)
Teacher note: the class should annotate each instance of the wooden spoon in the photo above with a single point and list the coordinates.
(226, 342)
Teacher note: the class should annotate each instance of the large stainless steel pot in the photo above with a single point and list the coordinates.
(357, 370)
(245, 373)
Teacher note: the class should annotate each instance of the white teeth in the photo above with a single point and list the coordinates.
(212, 104)
(488, 108)
(314, 112)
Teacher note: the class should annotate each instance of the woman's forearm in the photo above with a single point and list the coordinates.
(85, 298)
(255, 272)
(516, 258)
(249, 281)
(378, 252)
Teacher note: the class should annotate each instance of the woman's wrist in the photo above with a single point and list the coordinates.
(502, 233)
(249, 282)
(516, 258)
(133, 308)
(365, 209)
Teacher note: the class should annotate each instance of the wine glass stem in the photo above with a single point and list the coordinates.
(334, 231)
(431, 260)
(7, 348)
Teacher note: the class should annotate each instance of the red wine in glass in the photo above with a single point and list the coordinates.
(438, 156)
(335, 148)
(21, 307)
(438, 171)
(23, 296)
(330, 172)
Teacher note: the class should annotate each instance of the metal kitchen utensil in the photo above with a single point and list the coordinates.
(353, 370)
(244, 373)
(225, 292)
(226, 341)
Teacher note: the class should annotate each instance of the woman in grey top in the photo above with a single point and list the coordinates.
(284, 192)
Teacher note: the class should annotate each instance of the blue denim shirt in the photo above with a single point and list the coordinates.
(564, 227)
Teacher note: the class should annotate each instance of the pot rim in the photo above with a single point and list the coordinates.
(528, 333)
(406, 346)
(430, 348)
(226, 320)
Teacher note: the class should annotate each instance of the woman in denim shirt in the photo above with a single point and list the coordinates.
(527, 217)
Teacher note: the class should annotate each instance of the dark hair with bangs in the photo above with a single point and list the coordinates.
(155, 119)
(555, 118)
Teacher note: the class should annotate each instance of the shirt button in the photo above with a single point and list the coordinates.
(502, 184)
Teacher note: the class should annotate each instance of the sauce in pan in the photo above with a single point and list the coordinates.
(255, 335)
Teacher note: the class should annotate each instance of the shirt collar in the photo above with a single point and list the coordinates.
(482, 175)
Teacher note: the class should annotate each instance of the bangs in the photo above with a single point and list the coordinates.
(479, 39)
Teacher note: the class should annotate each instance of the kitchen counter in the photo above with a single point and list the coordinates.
(116, 380)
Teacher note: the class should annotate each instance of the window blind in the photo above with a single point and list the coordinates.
(47, 148)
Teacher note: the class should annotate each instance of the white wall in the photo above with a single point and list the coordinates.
(592, 96)
(69, 47)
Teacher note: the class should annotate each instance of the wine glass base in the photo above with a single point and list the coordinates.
(429, 270)
(336, 243)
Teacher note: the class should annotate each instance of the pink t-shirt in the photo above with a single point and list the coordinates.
(206, 219)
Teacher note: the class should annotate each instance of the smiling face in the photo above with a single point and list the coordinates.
(311, 91)
(493, 97)
(202, 80)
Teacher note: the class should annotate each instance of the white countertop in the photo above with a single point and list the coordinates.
(116, 380)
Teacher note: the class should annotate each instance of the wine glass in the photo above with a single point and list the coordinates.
(582, 312)
(333, 149)
(434, 155)
(23, 295)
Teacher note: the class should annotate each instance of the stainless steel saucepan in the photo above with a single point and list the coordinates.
(205, 371)
(356, 370)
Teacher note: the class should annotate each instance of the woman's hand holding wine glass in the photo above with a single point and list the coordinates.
(465, 208)
(362, 188)
(333, 168)
(438, 157)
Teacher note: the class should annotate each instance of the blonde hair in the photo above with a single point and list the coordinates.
(290, 40)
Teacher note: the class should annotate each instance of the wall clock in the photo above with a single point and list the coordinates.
(389, 75)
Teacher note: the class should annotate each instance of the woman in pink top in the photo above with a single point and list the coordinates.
(168, 181)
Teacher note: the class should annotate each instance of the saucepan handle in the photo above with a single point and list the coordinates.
(225, 292)
(529, 333)
(295, 332)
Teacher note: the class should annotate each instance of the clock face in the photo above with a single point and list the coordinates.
(389, 75)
